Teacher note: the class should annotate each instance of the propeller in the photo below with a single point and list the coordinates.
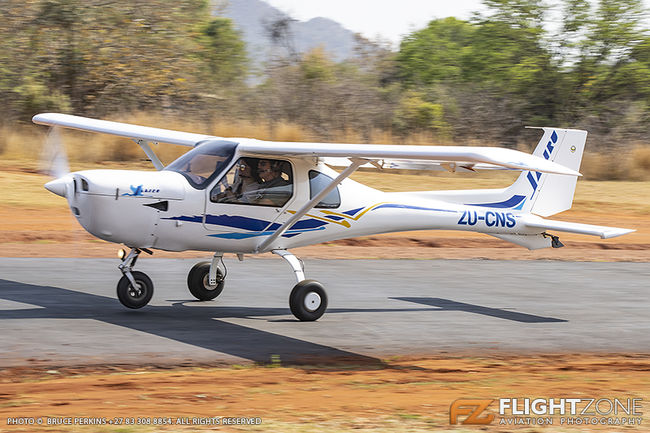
(54, 159)
(54, 162)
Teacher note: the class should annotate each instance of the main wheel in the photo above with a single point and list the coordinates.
(135, 297)
(308, 300)
(199, 285)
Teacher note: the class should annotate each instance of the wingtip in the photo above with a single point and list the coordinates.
(561, 169)
(41, 118)
(616, 232)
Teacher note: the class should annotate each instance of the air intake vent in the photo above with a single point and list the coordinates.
(161, 205)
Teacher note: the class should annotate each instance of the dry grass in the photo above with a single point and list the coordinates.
(641, 158)
(25, 142)
(632, 164)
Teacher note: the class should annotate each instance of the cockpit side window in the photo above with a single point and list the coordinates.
(255, 181)
(318, 182)
(203, 163)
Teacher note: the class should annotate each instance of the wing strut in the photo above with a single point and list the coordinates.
(356, 162)
(151, 154)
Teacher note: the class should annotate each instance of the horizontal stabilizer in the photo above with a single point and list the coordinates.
(584, 229)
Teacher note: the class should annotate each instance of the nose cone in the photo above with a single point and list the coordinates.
(58, 186)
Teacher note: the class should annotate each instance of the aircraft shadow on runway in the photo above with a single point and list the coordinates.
(449, 305)
(196, 326)
(201, 326)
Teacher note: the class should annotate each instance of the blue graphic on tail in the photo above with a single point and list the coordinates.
(534, 179)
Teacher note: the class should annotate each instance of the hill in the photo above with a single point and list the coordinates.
(251, 18)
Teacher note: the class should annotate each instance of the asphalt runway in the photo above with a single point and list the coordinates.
(65, 311)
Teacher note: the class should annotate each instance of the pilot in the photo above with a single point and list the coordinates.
(274, 189)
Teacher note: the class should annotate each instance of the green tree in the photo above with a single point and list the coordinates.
(435, 53)
(414, 113)
(611, 78)
(223, 53)
(502, 56)
(576, 16)
(101, 56)
(524, 14)
(616, 28)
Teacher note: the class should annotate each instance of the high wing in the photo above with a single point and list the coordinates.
(463, 156)
(134, 132)
(459, 155)
(407, 164)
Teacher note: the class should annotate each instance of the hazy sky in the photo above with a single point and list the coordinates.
(390, 19)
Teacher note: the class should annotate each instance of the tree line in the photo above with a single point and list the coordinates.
(581, 64)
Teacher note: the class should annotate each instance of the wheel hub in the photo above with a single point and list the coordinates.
(206, 282)
(312, 301)
(135, 292)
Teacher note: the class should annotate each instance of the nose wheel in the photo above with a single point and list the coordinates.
(135, 289)
(138, 295)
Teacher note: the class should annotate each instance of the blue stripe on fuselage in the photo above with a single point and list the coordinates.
(405, 206)
(511, 202)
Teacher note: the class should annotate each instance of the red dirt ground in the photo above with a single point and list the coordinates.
(405, 394)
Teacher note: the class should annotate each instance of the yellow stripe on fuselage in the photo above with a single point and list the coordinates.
(341, 215)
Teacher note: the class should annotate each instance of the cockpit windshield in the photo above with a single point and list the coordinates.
(202, 164)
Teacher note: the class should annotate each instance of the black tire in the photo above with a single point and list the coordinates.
(197, 282)
(308, 300)
(138, 297)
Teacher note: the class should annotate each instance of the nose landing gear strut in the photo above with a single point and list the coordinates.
(135, 289)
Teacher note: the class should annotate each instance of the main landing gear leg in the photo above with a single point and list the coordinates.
(135, 289)
(206, 279)
(308, 300)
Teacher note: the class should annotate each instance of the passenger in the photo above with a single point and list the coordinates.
(274, 190)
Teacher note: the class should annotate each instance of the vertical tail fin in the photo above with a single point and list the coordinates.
(548, 194)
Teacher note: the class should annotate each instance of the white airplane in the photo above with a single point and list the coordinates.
(246, 196)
